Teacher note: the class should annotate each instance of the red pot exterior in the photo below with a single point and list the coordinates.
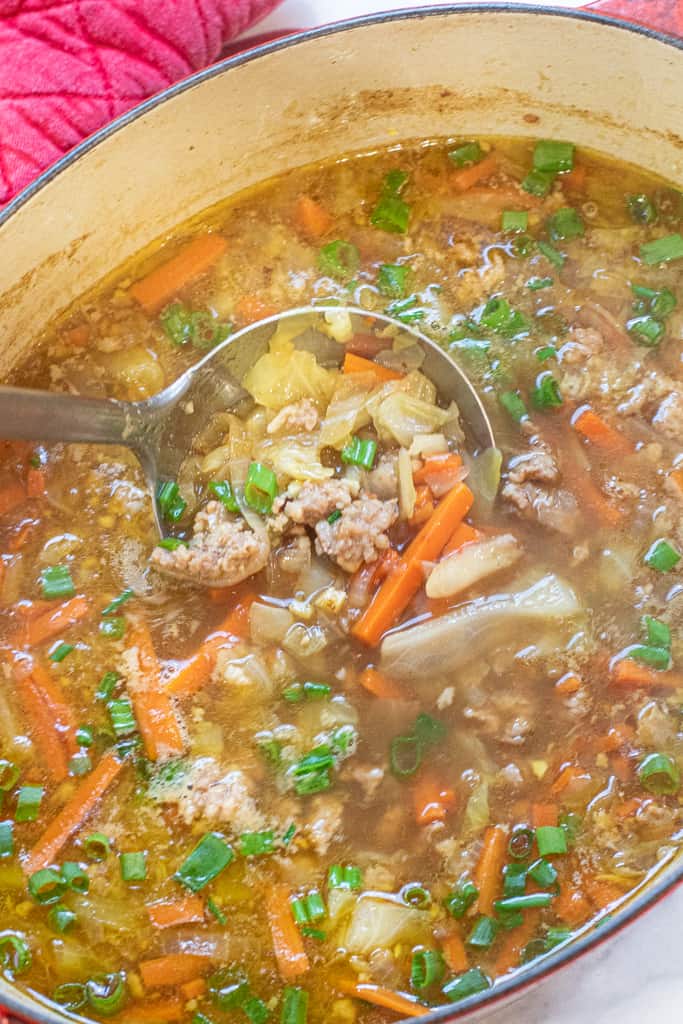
(661, 15)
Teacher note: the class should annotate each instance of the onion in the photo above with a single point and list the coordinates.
(380, 921)
(424, 445)
(406, 487)
(471, 563)
(268, 624)
(304, 641)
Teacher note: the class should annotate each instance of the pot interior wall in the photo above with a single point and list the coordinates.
(492, 72)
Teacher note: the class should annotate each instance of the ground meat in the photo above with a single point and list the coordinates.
(367, 776)
(294, 419)
(315, 501)
(656, 727)
(359, 535)
(207, 791)
(382, 481)
(538, 465)
(557, 510)
(324, 825)
(656, 821)
(583, 343)
(668, 419)
(222, 552)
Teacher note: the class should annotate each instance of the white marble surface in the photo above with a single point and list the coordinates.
(636, 977)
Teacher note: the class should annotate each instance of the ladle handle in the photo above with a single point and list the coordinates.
(29, 415)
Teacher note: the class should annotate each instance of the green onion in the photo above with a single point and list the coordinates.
(70, 995)
(551, 254)
(334, 516)
(550, 839)
(28, 803)
(256, 844)
(56, 582)
(428, 730)
(565, 223)
(526, 902)
(514, 879)
(657, 657)
(514, 220)
(271, 750)
(359, 452)
(133, 866)
(642, 210)
(551, 155)
(391, 213)
(255, 1010)
(347, 876)
(209, 857)
(405, 311)
(47, 886)
(534, 284)
(106, 993)
(466, 154)
(467, 984)
(339, 259)
(114, 605)
(543, 873)
(214, 909)
(121, 716)
(659, 303)
(313, 933)
(458, 902)
(228, 988)
(659, 773)
(198, 327)
(316, 691)
(60, 651)
(312, 772)
(97, 846)
(555, 936)
(571, 823)
(522, 244)
(74, 877)
(223, 491)
(289, 835)
(513, 403)
(547, 352)
(114, 627)
(646, 330)
(405, 755)
(662, 556)
(107, 686)
(294, 1005)
(6, 838)
(15, 953)
(309, 908)
(170, 501)
(260, 488)
(546, 394)
(483, 932)
(201, 1018)
(427, 968)
(80, 764)
(392, 280)
(498, 316)
(538, 183)
(509, 918)
(61, 918)
(657, 633)
(662, 250)
(415, 895)
(84, 736)
(9, 775)
(172, 543)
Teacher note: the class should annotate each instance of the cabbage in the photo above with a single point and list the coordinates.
(298, 459)
(401, 416)
(379, 922)
(471, 563)
(286, 374)
(406, 487)
(477, 812)
(347, 411)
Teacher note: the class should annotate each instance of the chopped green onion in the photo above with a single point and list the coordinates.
(61, 918)
(359, 452)
(659, 303)
(659, 773)
(229, 988)
(313, 933)
(514, 879)
(121, 716)
(107, 686)
(509, 918)
(294, 1005)
(551, 839)
(551, 254)
(547, 352)
(514, 220)
(198, 327)
(339, 259)
(405, 311)
(498, 316)
(392, 280)
(466, 154)
(172, 543)
(97, 846)
(565, 223)
(570, 823)
(201, 1018)
(170, 501)
(216, 911)
(657, 633)
(309, 908)
(223, 491)
(391, 213)
(459, 901)
(70, 995)
(427, 968)
(642, 210)
(555, 936)
(260, 488)
(657, 657)
(60, 651)
(15, 953)
(534, 284)
(428, 730)
(646, 330)
(84, 736)
(467, 984)
(80, 764)
(209, 857)
(483, 932)
(133, 866)
(289, 835)
(513, 403)
(28, 803)
(114, 605)
(271, 749)
(553, 156)
(334, 516)
(538, 183)
(662, 556)
(662, 250)
(9, 775)
(347, 876)
(316, 691)
(312, 772)
(256, 844)
(47, 886)
(546, 394)
(6, 838)
(255, 1010)
(106, 993)
(114, 627)
(526, 902)
(522, 244)
(405, 755)
(543, 873)
(415, 895)
(75, 877)
(56, 582)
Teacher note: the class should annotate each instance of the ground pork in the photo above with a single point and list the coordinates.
(557, 510)
(295, 418)
(583, 343)
(368, 777)
(359, 535)
(209, 792)
(324, 824)
(315, 501)
(222, 552)
(668, 419)
(382, 481)
(538, 465)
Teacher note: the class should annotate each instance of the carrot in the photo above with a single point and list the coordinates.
(571, 904)
(437, 466)
(617, 736)
(77, 336)
(288, 945)
(152, 704)
(74, 813)
(312, 219)
(600, 433)
(22, 536)
(197, 669)
(193, 989)
(398, 590)
(570, 773)
(454, 952)
(384, 997)
(52, 622)
(173, 969)
(12, 494)
(163, 1011)
(431, 800)
(489, 871)
(569, 683)
(601, 892)
(676, 479)
(631, 674)
(514, 941)
(163, 283)
(621, 766)
(47, 740)
(544, 814)
(357, 364)
(463, 534)
(423, 507)
(582, 486)
(250, 308)
(35, 483)
(464, 178)
(627, 808)
(379, 685)
(169, 913)
(575, 180)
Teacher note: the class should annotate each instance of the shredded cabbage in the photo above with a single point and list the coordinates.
(382, 921)
(347, 411)
(298, 459)
(286, 374)
(401, 416)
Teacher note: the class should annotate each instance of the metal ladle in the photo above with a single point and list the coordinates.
(160, 430)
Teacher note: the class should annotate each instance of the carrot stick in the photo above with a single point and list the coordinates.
(398, 590)
(55, 621)
(569, 683)
(77, 336)
(488, 874)
(423, 507)
(544, 814)
(431, 799)
(571, 905)
(173, 969)
(615, 738)
(568, 775)
(152, 704)
(193, 989)
(676, 479)
(357, 364)
(454, 952)
(384, 997)
(379, 685)
(466, 177)
(163, 1011)
(575, 180)
(288, 945)
(44, 733)
(196, 671)
(436, 466)
(163, 283)
(35, 483)
(630, 673)
(312, 219)
(463, 534)
(250, 308)
(602, 893)
(12, 494)
(627, 808)
(73, 814)
(601, 434)
(514, 942)
(169, 913)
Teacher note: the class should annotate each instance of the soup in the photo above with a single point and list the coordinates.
(383, 717)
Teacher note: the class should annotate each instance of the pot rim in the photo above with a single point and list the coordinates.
(14, 999)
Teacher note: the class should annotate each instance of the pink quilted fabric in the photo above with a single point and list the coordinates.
(69, 66)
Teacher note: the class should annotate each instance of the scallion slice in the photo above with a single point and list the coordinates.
(415, 895)
(28, 803)
(260, 488)
(216, 911)
(641, 208)
(294, 1005)
(47, 886)
(60, 651)
(513, 403)
(553, 156)
(466, 154)
(662, 556)
(107, 686)
(543, 873)
(538, 183)
(170, 501)
(656, 657)
(106, 993)
(172, 543)
(360, 452)
(657, 633)
(662, 250)
(551, 254)
(659, 773)
(257, 844)
(339, 259)
(97, 847)
(210, 856)
(116, 603)
(9, 775)
(114, 627)
(551, 839)
(75, 877)
(405, 755)
(15, 952)
(255, 1010)
(229, 988)
(528, 901)
(392, 280)
(514, 879)
(121, 716)
(459, 901)
(70, 995)
(546, 394)
(56, 582)
(133, 866)
(61, 918)
(565, 223)
(222, 490)
(6, 838)
(467, 984)
(483, 932)
(646, 330)
(535, 284)
(391, 213)
(427, 968)
(514, 220)
(346, 876)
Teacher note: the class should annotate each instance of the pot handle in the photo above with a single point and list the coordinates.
(661, 15)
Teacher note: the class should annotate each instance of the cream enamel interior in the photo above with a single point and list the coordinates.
(511, 72)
